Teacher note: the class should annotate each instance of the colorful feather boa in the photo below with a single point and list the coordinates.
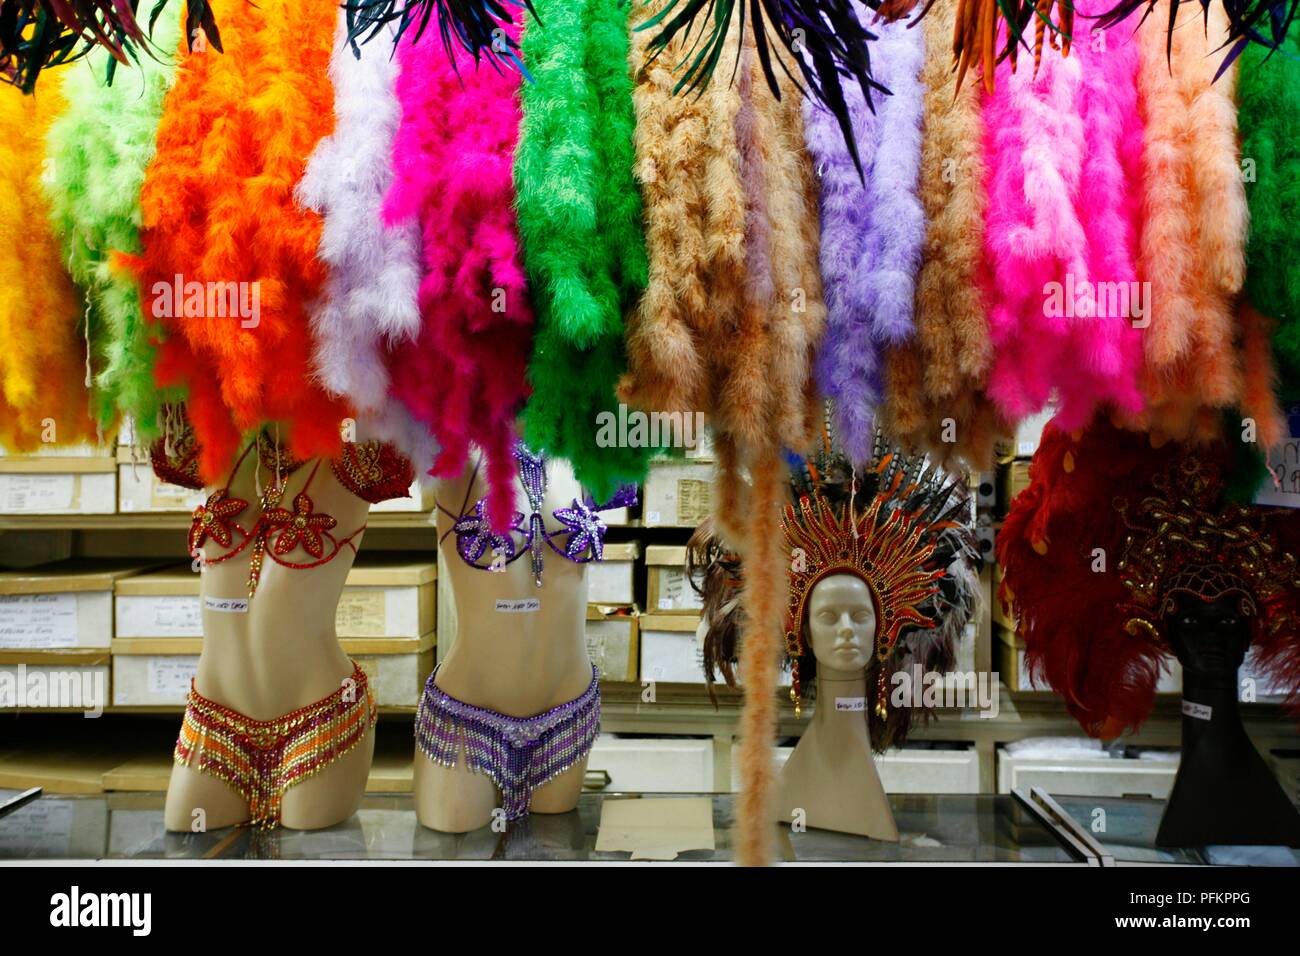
(464, 377)
(871, 234)
(370, 297)
(43, 363)
(781, 240)
(98, 151)
(1060, 223)
(580, 219)
(1192, 245)
(236, 132)
(934, 386)
(1268, 92)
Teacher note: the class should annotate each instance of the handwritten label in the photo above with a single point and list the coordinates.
(170, 677)
(1197, 711)
(694, 501)
(854, 705)
(31, 621)
(38, 493)
(520, 606)
(362, 613)
(226, 605)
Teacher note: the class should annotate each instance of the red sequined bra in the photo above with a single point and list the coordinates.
(373, 471)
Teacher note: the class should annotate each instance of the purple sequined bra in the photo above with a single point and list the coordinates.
(518, 754)
(583, 530)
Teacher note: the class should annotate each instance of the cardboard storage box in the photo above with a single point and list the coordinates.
(386, 595)
(668, 591)
(610, 581)
(385, 619)
(669, 649)
(613, 642)
(389, 595)
(66, 605)
(906, 769)
(1086, 776)
(647, 765)
(140, 491)
(58, 485)
(65, 679)
(678, 494)
(156, 672)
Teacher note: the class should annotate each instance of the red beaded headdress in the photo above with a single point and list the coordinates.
(888, 549)
(1109, 534)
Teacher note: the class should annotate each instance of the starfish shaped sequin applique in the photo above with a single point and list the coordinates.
(474, 536)
(214, 519)
(300, 526)
(586, 531)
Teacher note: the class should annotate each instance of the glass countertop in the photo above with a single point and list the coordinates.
(1126, 827)
(949, 828)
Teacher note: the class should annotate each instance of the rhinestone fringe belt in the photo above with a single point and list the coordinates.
(262, 759)
(519, 754)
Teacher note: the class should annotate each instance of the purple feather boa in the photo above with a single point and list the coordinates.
(871, 235)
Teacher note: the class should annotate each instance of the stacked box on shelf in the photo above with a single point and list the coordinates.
(56, 632)
(1086, 775)
(949, 768)
(611, 579)
(678, 493)
(671, 650)
(140, 491)
(59, 481)
(613, 641)
(668, 589)
(385, 621)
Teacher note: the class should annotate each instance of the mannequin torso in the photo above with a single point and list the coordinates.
(518, 663)
(280, 654)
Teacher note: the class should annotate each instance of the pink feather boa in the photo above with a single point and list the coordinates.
(1064, 177)
(465, 376)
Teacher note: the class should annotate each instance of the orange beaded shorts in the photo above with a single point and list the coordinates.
(262, 759)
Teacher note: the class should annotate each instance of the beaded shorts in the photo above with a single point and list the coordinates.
(519, 754)
(261, 759)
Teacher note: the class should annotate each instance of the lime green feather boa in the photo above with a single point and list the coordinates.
(97, 152)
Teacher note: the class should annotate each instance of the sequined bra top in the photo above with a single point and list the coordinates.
(373, 471)
(582, 529)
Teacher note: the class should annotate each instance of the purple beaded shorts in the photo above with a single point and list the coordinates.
(519, 754)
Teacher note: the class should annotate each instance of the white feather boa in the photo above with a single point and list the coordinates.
(370, 298)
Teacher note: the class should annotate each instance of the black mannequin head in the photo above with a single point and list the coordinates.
(1208, 637)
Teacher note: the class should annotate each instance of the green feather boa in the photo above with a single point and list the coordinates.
(580, 221)
(97, 152)
(1268, 90)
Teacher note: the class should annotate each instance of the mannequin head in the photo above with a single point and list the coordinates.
(841, 625)
(1209, 638)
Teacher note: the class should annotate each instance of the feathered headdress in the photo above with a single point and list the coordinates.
(1109, 532)
(903, 527)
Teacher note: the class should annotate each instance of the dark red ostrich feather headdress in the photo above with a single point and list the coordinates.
(1108, 533)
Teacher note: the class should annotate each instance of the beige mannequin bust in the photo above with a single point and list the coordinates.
(831, 776)
(520, 664)
(282, 654)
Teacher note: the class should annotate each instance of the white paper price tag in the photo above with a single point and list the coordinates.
(226, 605)
(520, 606)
